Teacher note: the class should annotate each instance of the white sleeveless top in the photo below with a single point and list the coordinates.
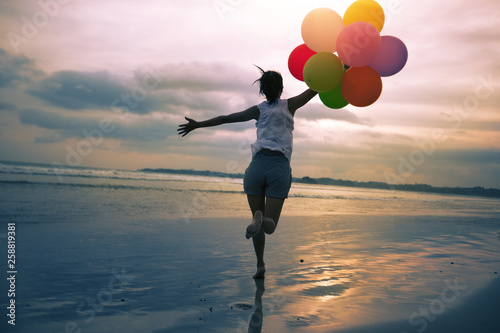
(274, 128)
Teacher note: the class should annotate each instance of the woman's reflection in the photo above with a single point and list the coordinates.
(255, 325)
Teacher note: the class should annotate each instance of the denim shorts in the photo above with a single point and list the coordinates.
(269, 175)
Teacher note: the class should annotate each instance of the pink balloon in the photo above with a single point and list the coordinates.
(358, 44)
(391, 58)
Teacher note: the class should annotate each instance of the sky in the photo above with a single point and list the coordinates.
(106, 84)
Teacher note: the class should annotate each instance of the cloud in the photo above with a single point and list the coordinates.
(49, 120)
(208, 71)
(199, 76)
(447, 57)
(142, 129)
(197, 88)
(50, 138)
(202, 89)
(457, 167)
(15, 69)
(470, 157)
(317, 111)
(7, 106)
(75, 90)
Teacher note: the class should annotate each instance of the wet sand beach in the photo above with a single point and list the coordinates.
(325, 273)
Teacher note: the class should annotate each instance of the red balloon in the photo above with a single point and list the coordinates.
(298, 59)
(361, 86)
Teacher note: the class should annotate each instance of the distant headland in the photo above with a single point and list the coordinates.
(474, 191)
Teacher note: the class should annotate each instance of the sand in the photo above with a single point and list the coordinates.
(330, 273)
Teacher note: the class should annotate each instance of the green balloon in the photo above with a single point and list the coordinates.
(323, 71)
(333, 98)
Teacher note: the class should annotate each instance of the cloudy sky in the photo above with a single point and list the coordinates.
(106, 83)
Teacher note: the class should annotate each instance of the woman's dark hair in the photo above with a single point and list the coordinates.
(271, 85)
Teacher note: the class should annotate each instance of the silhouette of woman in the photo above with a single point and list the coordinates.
(268, 178)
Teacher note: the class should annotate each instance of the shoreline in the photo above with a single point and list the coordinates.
(475, 191)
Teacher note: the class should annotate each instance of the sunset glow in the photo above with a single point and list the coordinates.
(125, 73)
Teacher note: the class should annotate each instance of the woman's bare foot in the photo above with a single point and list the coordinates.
(260, 272)
(254, 227)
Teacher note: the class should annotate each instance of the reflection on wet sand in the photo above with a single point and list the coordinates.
(349, 277)
(255, 325)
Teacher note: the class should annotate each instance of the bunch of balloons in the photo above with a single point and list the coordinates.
(356, 40)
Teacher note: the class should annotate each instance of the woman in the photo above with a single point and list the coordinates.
(268, 178)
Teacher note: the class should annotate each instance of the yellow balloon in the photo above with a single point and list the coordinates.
(323, 71)
(367, 11)
(320, 29)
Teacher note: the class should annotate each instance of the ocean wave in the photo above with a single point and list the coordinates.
(62, 172)
(145, 187)
(117, 186)
(124, 179)
(86, 185)
(367, 198)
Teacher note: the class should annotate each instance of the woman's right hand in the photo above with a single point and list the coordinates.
(184, 129)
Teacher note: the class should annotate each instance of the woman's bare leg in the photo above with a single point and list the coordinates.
(272, 214)
(271, 209)
(258, 203)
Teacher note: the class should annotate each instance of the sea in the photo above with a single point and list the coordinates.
(44, 193)
(107, 250)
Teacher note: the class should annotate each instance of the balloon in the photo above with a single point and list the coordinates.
(391, 58)
(358, 44)
(361, 86)
(298, 59)
(320, 29)
(333, 98)
(323, 71)
(366, 11)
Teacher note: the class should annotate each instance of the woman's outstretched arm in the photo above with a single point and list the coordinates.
(246, 115)
(299, 101)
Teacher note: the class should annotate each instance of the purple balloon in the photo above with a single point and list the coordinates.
(392, 57)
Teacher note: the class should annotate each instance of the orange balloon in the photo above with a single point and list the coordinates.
(361, 86)
(321, 28)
